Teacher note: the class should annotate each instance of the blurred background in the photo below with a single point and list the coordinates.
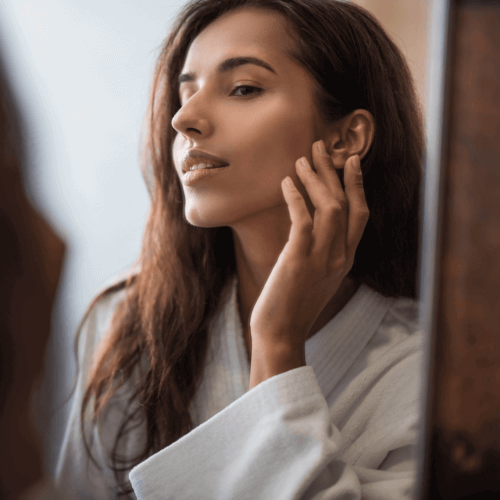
(81, 69)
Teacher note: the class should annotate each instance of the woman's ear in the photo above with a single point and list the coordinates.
(352, 135)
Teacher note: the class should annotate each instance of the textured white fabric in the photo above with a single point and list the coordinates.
(343, 427)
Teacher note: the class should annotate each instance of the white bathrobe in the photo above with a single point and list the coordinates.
(345, 426)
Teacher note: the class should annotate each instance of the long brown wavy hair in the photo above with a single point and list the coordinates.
(184, 270)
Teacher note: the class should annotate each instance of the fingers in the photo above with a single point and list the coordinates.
(358, 208)
(326, 171)
(330, 214)
(340, 217)
(299, 240)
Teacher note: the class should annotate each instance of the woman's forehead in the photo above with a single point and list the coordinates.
(243, 32)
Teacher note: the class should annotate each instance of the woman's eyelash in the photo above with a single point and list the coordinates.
(245, 91)
(254, 90)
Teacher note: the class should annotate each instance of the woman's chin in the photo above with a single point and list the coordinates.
(201, 218)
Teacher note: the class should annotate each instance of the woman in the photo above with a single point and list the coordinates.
(267, 347)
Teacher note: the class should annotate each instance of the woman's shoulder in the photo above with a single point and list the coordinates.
(401, 322)
(394, 321)
(395, 351)
(388, 371)
(404, 311)
(398, 340)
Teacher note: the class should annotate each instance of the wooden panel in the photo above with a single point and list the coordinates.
(465, 449)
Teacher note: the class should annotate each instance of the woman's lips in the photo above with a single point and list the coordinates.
(197, 157)
(195, 176)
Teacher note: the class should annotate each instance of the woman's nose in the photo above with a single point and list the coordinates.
(192, 119)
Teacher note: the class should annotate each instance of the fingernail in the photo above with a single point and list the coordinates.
(356, 165)
(305, 163)
(321, 148)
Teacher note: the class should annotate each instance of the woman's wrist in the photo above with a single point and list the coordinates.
(269, 360)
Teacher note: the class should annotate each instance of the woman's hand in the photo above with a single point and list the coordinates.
(318, 255)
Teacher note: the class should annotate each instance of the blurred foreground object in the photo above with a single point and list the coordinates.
(31, 257)
(463, 414)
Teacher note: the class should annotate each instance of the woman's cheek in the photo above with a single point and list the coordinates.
(176, 149)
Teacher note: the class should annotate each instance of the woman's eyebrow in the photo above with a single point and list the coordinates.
(228, 65)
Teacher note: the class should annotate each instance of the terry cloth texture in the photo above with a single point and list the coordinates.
(343, 427)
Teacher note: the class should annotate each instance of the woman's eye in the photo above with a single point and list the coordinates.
(246, 90)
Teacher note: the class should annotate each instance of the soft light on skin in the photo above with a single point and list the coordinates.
(261, 135)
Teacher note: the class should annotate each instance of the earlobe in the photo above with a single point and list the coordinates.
(353, 136)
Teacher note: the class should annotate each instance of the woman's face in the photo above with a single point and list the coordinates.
(245, 101)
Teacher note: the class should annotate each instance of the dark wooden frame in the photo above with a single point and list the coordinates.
(460, 276)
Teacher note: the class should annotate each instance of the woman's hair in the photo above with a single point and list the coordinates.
(184, 271)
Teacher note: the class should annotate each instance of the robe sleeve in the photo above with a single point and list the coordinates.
(276, 442)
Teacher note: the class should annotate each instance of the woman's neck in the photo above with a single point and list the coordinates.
(257, 248)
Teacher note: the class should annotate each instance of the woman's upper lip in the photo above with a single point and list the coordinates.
(194, 156)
